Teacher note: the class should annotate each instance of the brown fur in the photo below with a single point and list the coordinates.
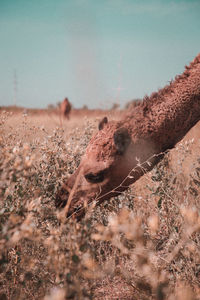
(123, 151)
(65, 108)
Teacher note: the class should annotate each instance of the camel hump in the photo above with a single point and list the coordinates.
(102, 123)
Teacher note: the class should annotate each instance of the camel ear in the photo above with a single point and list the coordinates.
(122, 140)
(102, 123)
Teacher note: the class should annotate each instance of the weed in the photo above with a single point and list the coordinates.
(139, 245)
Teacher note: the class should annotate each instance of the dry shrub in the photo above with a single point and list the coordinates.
(131, 247)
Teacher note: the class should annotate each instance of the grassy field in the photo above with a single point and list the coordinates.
(143, 244)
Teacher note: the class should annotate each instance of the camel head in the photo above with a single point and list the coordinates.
(109, 166)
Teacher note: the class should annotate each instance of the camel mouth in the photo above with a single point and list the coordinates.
(76, 212)
(62, 198)
(61, 201)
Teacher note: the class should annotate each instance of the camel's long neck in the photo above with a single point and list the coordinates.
(170, 113)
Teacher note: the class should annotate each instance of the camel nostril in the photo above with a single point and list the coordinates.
(61, 198)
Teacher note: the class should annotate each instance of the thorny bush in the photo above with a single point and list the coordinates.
(131, 247)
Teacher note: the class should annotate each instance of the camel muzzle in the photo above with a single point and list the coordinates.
(62, 198)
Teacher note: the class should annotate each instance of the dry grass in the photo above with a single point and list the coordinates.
(143, 244)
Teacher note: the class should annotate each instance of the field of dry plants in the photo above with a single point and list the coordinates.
(143, 244)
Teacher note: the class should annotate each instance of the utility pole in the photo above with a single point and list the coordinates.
(15, 87)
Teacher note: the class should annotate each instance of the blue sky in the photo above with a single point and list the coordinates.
(95, 52)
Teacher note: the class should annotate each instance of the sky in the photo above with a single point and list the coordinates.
(95, 52)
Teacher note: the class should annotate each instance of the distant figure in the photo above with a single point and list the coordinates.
(102, 123)
(65, 108)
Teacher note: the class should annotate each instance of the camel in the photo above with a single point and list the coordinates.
(122, 151)
(65, 108)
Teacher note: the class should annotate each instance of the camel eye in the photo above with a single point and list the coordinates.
(95, 178)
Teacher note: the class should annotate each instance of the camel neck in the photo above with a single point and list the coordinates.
(166, 116)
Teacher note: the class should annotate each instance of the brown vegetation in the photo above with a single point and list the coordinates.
(142, 244)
